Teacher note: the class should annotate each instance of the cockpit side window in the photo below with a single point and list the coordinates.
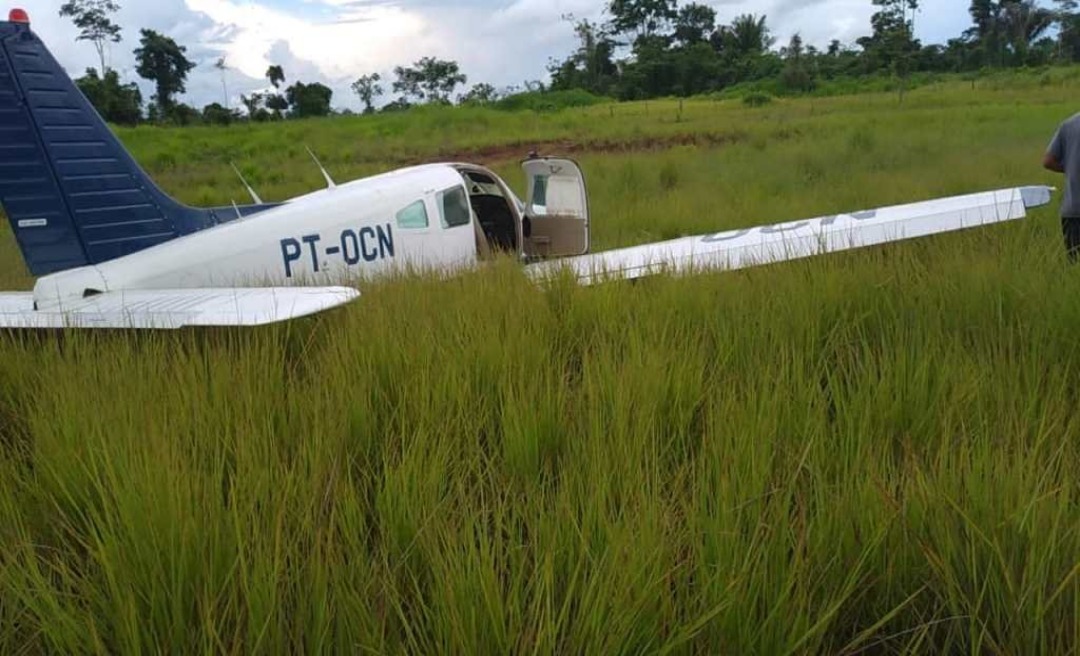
(454, 207)
(482, 185)
(413, 217)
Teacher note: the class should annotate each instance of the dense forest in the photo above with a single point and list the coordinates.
(673, 50)
(642, 49)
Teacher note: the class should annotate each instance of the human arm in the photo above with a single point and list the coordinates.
(1054, 158)
(1052, 163)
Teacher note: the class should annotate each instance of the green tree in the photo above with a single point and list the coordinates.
(92, 19)
(642, 18)
(697, 69)
(837, 60)
(183, 114)
(399, 104)
(480, 94)
(798, 73)
(276, 75)
(254, 106)
(652, 72)
(1068, 23)
(222, 67)
(694, 23)
(116, 102)
(747, 36)
(1025, 22)
(216, 114)
(694, 63)
(986, 34)
(162, 61)
(367, 87)
(592, 66)
(308, 100)
(1005, 30)
(892, 45)
(277, 103)
(743, 47)
(429, 80)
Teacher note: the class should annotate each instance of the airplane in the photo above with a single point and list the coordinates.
(112, 250)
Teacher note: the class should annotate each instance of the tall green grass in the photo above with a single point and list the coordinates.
(871, 452)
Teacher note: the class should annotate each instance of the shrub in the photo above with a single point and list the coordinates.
(757, 99)
(548, 101)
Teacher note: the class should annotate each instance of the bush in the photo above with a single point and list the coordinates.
(757, 99)
(549, 101)
(116, 102)
(215, 114)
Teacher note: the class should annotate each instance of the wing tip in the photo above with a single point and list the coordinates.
(1036, 195)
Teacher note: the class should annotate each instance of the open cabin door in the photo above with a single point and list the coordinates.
(558, 208)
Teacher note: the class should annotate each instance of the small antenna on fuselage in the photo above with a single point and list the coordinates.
(237, 209)
(251, 192)
(329, 181)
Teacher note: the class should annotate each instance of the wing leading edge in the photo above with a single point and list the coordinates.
(174, 308)
(738, 249)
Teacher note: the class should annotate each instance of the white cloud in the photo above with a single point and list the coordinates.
(821, 22)
(360, 38)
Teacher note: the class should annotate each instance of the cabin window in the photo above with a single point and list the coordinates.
(454, 206)
(539, 194)
(413, 217)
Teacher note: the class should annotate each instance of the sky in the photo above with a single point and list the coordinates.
(500, 42)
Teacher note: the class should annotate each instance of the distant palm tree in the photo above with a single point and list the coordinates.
(1004, 27)
(221, 66)
(276, 75)
(1024, 23)
(749, 35)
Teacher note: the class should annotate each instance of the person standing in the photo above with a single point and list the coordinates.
(1063, 156)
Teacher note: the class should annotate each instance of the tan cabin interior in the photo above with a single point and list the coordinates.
(555, 236)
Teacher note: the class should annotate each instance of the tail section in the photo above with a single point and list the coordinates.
(73, 194)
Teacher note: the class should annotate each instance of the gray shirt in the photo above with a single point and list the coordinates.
(1065, 148)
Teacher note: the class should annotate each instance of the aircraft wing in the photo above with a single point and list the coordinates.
(174, 308)
(737, 249)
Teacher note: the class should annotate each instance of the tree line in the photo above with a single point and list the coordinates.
(684, 50)
(643, 49)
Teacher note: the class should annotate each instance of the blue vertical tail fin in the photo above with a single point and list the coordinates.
(73, 194)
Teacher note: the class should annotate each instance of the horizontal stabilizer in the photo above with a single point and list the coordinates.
(174, 308)
(738, 249)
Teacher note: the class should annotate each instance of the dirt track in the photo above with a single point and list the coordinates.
(519, 150)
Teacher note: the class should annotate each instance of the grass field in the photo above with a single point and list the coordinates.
(873, 452)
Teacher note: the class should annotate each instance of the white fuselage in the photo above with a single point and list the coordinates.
(354, 230)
